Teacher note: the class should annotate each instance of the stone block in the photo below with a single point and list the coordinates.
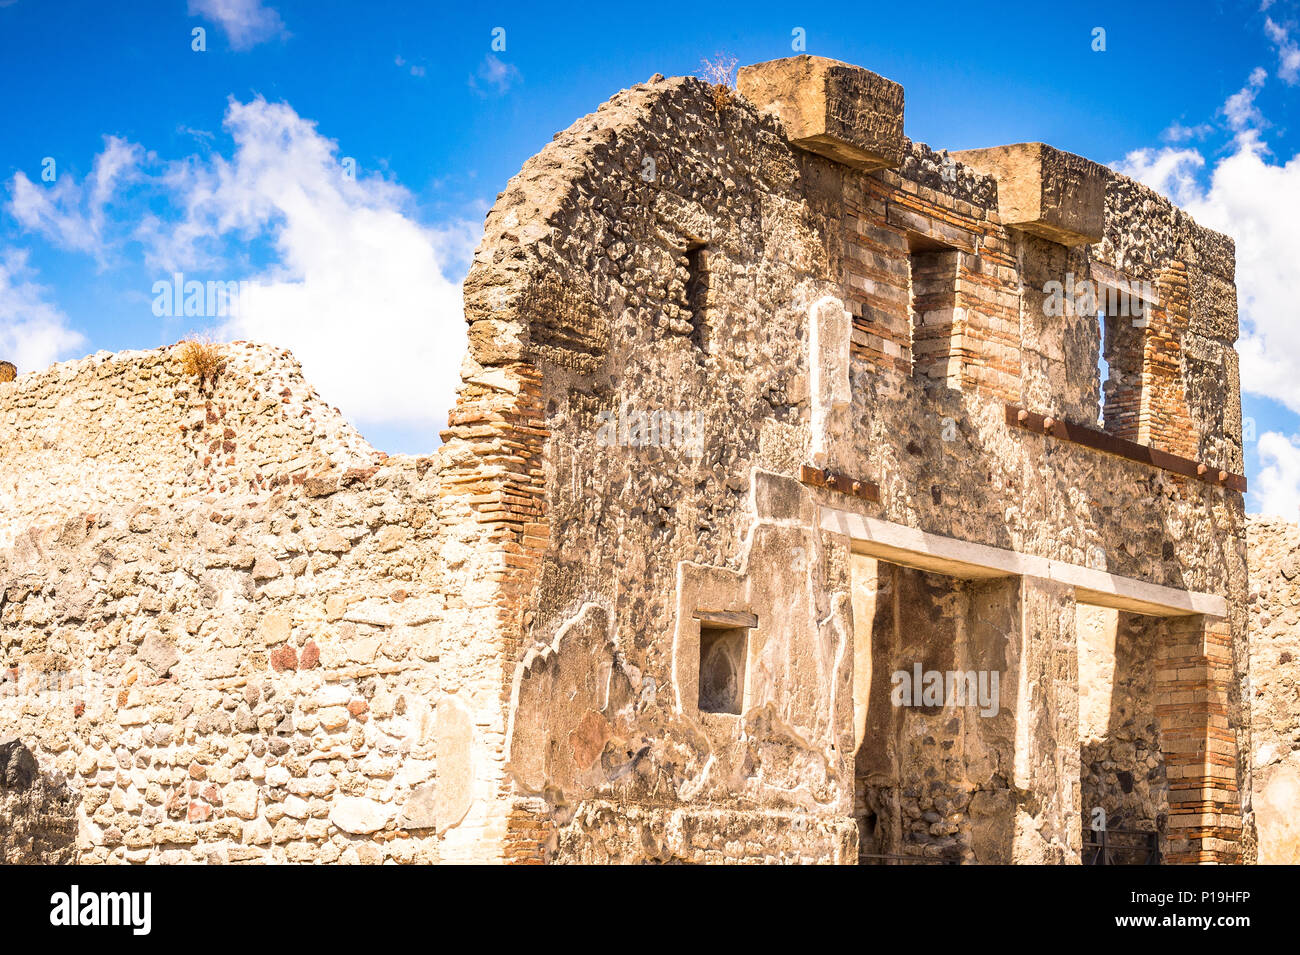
(454, 730)
(842, 112)
(1044, 191)
(158, 653)
(241, 799)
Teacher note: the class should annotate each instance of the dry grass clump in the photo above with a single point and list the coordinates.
(201, 357)
(719, 71)
(8, 371)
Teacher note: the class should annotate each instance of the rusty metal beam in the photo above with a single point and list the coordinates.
(1121, 447)
(820, 477)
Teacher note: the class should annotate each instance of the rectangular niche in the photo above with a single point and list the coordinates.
(936, 320)
(724, 649)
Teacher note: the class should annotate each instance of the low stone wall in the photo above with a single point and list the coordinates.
(602, 833)
(226, 661)
(112, 429)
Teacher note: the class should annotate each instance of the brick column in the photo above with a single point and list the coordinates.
(1193, 674)
(1165, 421)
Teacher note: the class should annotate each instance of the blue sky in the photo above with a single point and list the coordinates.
(226, 163)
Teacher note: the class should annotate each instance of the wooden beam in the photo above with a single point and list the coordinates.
(727, 618)
(1121, 447)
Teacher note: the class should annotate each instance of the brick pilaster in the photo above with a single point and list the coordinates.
(1193, 675)
(496, 438)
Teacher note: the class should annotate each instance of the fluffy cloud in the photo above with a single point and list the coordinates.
(414, 68)
(1240, 109)
(33, 332)
(1278, 483)
(359, 291)
(1171, 171)
(246, 22)
(494, 74)
(1178, 133)
(1247, 190)
(72, 213)
(1249, 196)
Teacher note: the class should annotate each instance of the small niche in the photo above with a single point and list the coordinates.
(722, 668)
(697, 290)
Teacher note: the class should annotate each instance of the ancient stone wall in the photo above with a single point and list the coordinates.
(935, 779)
(1275, 686)
(1122, 759)
(614, 618)
(661, 172)
(38, 811)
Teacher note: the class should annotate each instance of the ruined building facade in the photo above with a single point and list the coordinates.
(768, 414)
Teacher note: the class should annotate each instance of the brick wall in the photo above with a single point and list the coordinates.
(932, 285)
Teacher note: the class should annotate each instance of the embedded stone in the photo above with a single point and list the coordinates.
(266, 568)
(274, 628)
(241, 799)
(453, 729)
(158, 653)
(420, 811)
(359, 816)
(334, 543)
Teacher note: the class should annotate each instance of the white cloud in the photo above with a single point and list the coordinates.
(1278, 483)
(1288, 52)
(494, 73)
(246, 22)
(33, 332)
(1168, 170)
(1178, 133)
(1240, 107)
(1249, 197)
(414, 69)
(70, 213)
(359, 291)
